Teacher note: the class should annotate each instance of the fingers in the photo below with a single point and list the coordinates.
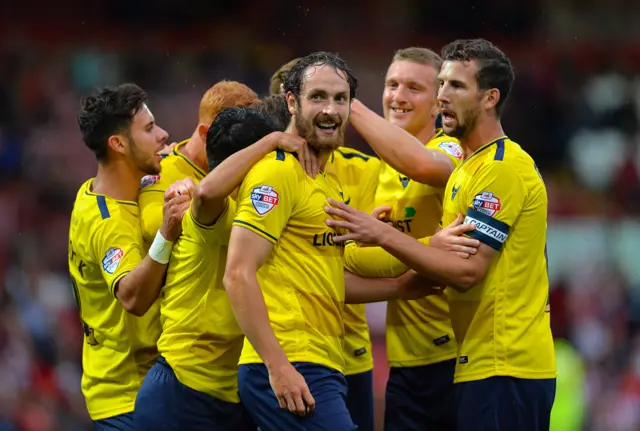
(291, 404)
(382, 211)
(337, 212)
(301, 410)
(340, 205)
(345, 237)
(463, 228)
(462, 255)
(282, 402)
(339, 224)
(463, 249)
(465, 241)
(456, 222)
(308, 400)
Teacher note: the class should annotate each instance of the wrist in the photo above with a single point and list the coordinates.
(276, 361)
(160, 250)
(386, 235)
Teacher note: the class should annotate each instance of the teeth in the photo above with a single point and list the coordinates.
(402, 111)
(327, 124)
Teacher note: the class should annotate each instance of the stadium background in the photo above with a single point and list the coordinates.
(575, 107)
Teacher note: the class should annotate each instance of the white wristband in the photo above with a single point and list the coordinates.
(160, 249)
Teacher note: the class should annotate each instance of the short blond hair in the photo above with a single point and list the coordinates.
(225, 94)
(418, 55)
(277, 79)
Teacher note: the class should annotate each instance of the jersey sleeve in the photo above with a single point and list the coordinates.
(494, 201)
(118, 247)
(150, 202)
(267, 197)
(365, 195)
(218, 232)
(452, 149)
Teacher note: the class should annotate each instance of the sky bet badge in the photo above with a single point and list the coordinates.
(264, 199)
(487, 203)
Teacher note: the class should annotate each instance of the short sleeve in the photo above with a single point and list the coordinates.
(150, 202)
(452, 149)
(364, 196)
(217, 232)
(371, 262)
(266, 197)
(118, 247)
(495, 199)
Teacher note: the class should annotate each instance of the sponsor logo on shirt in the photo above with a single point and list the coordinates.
(149, 180)
(264, 199)
(112, 259)
(487, 203)
(454, 192)
(452, 149)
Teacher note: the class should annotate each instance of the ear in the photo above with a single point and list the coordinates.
(292, 104)
(491, 99)
(202, 131)
(118, 144)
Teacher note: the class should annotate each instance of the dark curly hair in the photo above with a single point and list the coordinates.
(293, 79)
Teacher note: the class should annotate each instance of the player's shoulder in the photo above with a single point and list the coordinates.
(350, 157)
(280, 163)
(446, 143)
(98, 211)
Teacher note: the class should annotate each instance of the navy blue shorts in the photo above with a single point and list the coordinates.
(163, 403)
(420, 398)
(329, 390)
(360, 399)
(117, 423)
(505, 404)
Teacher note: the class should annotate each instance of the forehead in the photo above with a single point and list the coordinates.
(458, 70)
(405, 70)
(143, 116)
(325, 78)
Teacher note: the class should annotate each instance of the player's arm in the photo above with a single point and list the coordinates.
(497, 179)
(400, 149)
(212, 191)
(138, 284)
(409, 285)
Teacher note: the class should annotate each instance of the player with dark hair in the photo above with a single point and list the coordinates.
(194, 384)
(114, 284)
(498, 297)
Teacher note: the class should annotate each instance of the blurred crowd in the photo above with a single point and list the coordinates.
(575, 108)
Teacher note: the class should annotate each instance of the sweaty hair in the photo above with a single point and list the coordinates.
(276, 107)
(235, 129)
(295, 77)
(418, 55)
(494, 68)
(108, 112)
(225, 94)
(277, 79)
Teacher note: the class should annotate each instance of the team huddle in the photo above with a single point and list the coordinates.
(222, 281)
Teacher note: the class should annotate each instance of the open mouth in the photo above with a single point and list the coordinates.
(401, 110)
(328, 127)
(448, 115)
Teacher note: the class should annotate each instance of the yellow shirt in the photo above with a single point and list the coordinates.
(502, 324)
(302, 281)
(418, 331)
(105, 244)
(201, 339)
(176, 166)
(358, 175)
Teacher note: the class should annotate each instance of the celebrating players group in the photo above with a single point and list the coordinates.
(222, 281)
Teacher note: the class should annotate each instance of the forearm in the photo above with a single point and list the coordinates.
(430, 262)
(139, 289)
(366, 290)
(251, 313)
(399, 149)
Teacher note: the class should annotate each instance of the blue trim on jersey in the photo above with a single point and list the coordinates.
(354, 155)
(102, 206)
(489, 231)
(244, 223)
(280, 155)
(499, 150)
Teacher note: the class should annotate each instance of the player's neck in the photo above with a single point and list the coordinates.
(426, 134)
(193, 150)
(484, 132)
(323, 159)
(117, 181)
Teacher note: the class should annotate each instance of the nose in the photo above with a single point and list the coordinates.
(443, 94)
(162, 135)
(399, 95)
(330, 108)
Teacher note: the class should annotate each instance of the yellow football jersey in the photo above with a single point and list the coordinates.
(201, 339)
(105, 244)
(303, 279)
(358, 175)
(176, 166)
(419, 331)
(502, 324)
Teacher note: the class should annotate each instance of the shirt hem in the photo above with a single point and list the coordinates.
(106, 414)
(294, 358)
(530, 375)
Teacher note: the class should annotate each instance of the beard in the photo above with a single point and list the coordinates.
(146, 164)
(322, 143)
(462, 129)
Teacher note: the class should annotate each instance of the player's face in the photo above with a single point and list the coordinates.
(322, 111)
(146, 140)
(409, 98)
(459, 97)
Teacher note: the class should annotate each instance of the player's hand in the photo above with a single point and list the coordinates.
(177, 199)
(452, 239)
(167, 149)
(291, 389)
(412, 285)
(363, 228)
(307, 156)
